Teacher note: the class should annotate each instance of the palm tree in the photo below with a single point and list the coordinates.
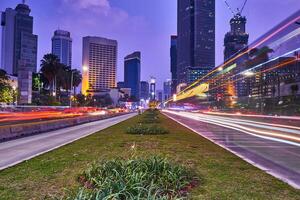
(3, 75)
(50, 65)
(77, 78)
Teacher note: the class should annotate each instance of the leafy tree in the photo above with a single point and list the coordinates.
(7, 93)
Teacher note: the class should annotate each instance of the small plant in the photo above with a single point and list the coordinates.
(153, 178)
(142, 129)
(149, 120)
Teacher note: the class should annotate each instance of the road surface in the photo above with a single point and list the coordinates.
(274, 148)
(19, 150)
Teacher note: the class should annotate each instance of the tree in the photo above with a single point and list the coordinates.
(77, 78)
(7, 93)
(50, 65)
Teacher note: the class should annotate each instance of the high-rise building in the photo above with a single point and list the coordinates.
(120, 84)
(237, 38)
(235, 41)
(159, 95)
(152, 89)
(167, 90)
(132, 73)
(62, 46)
(144, 90)
(173, 56)
(19, 44)
(99, 63)
(195, 36)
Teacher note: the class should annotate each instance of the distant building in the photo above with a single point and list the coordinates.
(132, 73)
(193, 73)
(24, 84)
(195, 37)
(173, 56)
(19, 44)
(99, 63)
(237, 38)
(144, 90)
(167, 90)
(152, 89)
(159, 95)
(126, 91)
(121, 84)
(236, 41)
(62, 46)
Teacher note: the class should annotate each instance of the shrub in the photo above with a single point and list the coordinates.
(153, 178)
(142, 129)
(149, 121)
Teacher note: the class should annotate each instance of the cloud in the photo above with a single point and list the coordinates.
(100, 6)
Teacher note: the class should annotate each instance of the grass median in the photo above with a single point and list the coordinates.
(222, 174)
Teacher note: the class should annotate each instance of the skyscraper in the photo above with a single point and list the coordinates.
(152, 89)
(159, 95)
(235, 41)
(237, 38)
(99, 63)
(62, 46)
(196, 37)
(144, 90)
(132, 73)
(19, 44)
(173, 56)
(167, 89)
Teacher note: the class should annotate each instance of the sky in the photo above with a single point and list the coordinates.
(141, 25)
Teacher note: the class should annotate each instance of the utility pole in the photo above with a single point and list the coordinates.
(71, 88)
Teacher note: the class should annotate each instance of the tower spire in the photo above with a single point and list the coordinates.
(23, 1)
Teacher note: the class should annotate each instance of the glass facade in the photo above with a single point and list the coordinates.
(132, 73)
(144, 90)
(196, 36)
(20, 46)
(62, 46)
(173, 56)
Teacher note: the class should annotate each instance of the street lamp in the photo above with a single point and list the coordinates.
(71, 87)
(248, 73)
(85, 68)
(14, 94)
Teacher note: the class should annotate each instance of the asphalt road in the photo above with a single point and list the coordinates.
(19, 150)
(274, 148)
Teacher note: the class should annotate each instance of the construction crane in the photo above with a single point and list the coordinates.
(239, 11)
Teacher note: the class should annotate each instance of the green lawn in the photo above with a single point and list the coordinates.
(223, 175)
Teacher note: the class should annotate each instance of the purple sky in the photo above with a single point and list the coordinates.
(144, 25)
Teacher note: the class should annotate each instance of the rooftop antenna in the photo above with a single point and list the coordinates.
(239, 11)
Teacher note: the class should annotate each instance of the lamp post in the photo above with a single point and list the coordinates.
(14, 95)
(71, 86)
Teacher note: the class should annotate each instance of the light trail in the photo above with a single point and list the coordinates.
(253, 68)
(245, 52)
(25, 116)
(260, 72)
(280, 133)
(250, 115)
